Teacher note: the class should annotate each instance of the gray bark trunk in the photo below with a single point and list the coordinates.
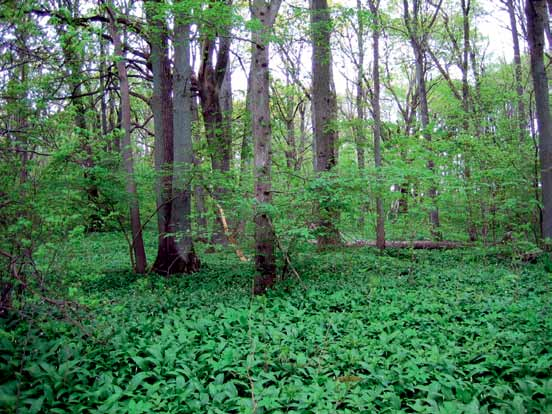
(517, 70)
(376, 113)
(199, 192)
(168, 260)
(535, 11)
(216, 104)
(262, 135)
(128, 157)
(360, 130)
(181, 225)
(324, 113)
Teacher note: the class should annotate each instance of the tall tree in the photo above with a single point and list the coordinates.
(324, 114)
(418, 23)
(161, 105)
(536, 13)
(518, 70)
(172, 258)
(214, 88)
(376, 114)
(180, 225)
(259, 93)
(128, 157)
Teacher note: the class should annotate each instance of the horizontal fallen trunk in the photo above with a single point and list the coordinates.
(411, 244)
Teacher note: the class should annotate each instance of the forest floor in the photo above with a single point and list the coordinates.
(459, 331)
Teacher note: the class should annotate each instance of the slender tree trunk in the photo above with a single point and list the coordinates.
(302, 136)
(517, 70)
(262, 134)
(418, 43)
(199, 191)
(103, 89)
(535, 11)
(128, 158)
(181, 225)
(468, 112)
(324, 111)
(289, 119)
(376, 112)
(360, 130)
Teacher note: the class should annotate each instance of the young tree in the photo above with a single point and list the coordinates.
(518, 70)
(324, 114)
(419, 23)
(265, 13)
(128, 157)
(376, 113)
(536, 13)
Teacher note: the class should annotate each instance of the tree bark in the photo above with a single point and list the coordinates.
(535, 10)
(324, 113)
(181, 225)
(168, 260)
(214, 87)
(262, 134)
(418, 40)
(376, 113)
(517, 70)
(128, 157)
(360, 130)
(199, 192)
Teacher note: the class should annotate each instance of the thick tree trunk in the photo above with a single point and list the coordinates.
(324, 114)
(376, 112)
(535, 11)
(262, 134)
(166, 261)
(181, 225)
(215, 97)
(128, 158)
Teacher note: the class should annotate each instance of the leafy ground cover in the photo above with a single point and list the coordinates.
(436, 332)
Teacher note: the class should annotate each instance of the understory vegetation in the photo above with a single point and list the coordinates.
(463, 331)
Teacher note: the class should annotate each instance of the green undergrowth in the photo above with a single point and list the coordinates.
(435, 332)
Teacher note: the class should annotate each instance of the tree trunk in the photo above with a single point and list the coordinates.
(324, 112)
(162, 108)
(181, 225)
(535, 11)
(418, 43)
(517, 70)
(262, 134)
(128, 157)
(215, 97)
(360, 130)
(199, 191)
(302, 136)
(376, 113)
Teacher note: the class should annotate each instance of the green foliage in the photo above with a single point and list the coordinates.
(399, 332)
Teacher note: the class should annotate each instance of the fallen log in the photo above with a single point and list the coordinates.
(411, 244)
